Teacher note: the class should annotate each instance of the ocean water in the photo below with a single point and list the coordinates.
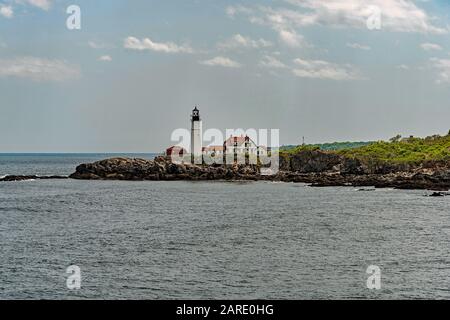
(224, 240)
(54, 163)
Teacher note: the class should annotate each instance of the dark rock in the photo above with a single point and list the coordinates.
(437, 194)
(18, 178)
(161, 169)
(353, 166)
(310, 161)
(29, 177)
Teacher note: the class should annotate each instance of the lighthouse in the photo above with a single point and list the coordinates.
(196, 137)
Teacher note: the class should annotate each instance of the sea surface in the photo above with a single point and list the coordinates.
(224, 240)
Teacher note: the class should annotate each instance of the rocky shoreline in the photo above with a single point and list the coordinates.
(315, 168)
(318, 170)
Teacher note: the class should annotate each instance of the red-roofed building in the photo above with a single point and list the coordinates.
(236, 145)
(176, 151)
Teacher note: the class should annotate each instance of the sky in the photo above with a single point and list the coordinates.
(326, 70)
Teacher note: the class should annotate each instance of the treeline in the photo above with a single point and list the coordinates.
(334, 146)
(404, 150)
(411, 150)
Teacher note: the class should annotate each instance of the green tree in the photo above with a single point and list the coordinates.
(396, 138)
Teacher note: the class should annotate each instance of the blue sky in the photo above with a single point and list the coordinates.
(134, 71)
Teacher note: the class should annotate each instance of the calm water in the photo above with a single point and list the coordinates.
(155, 240)
(54, 164)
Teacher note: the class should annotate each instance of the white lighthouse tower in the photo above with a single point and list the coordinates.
(196, 137)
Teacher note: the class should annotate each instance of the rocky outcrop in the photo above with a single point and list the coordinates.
(161, 169)
(439, 194)
(439, 181)
(315, 168)
(310, 161)
(25, 178)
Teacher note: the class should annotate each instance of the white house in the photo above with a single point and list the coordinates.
(243, 145)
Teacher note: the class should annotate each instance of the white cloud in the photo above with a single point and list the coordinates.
(319, 69)
(147, 44)
(396, 15)
(290, 37)
(430, 46)
(271, 62)
(278, 20)
(105, 58)
(6, 11)
(96, 45)
(238, 41)
(233, 10)
(38, 69)
(42, 4)
(443, 68)
(222, 62)
(403, 67)
(358, 46)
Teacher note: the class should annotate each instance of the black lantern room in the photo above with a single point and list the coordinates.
(195, 114)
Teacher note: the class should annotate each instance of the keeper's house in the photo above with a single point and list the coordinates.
(242, 145)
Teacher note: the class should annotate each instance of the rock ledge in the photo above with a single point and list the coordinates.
(161, 168)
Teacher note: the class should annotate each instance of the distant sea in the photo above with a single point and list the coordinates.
(54, 163)
(229, 240)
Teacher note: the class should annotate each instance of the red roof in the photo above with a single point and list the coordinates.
(238, 140)
(175, 150)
